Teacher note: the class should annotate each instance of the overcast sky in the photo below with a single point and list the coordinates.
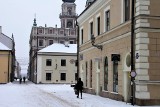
(16, 16)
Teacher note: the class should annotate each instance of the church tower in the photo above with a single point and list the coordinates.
(68, 15)
(42, 37)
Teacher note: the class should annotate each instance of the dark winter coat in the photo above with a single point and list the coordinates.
(79, 85)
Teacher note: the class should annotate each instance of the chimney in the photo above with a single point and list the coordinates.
(0, 29)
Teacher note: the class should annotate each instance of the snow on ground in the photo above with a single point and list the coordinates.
(50, 95)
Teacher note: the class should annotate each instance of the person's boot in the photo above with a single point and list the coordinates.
(77, 96)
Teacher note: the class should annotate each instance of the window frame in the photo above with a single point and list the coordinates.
(48, 78)
(71, 41)
(48, 62)
(63, 78)
(39, 42)
(49, 41)
(82, 32)
(126, 9)
(107, 20)
(63, 63)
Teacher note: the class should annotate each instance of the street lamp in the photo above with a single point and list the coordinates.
(93, 41)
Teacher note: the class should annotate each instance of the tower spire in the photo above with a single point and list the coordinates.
(34, 23)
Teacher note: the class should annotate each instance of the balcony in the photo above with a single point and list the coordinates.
(68, 14)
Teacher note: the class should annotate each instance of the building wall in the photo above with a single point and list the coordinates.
(118, 41)
(147, 46)
(5, 65)
(56, 69)
(115, 41)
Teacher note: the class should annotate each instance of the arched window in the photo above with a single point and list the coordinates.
(106, 74)
(115, 58)
(115, 76)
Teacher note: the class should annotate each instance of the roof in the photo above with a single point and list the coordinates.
(3, 47)
(60, 48)
(87, 8)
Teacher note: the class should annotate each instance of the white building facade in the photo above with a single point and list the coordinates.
(56, 64)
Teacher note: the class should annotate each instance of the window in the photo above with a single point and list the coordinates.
(63, 62)
(40, 31)
(71, 42)
(61, 32)
(107, 13)
(48, 76)
(63, 76)
(91, 29)
(50, 42)
(72, 32)
(50, 31)
(126, 10)
(98, 26)
(48, 62)
(115, 76)
(41, 42)
(106, 74)
(81, 36)
(86, 73)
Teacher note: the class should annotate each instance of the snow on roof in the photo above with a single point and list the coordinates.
(3, 47)
(60, 48)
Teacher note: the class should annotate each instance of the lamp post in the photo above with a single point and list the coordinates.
(93, 41)
(133, 73)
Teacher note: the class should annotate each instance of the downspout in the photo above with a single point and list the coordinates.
(36, 59)
(77, 28)
(132, 53)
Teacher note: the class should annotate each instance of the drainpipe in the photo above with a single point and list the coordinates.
(132, 53)
(77, 49)
(36, 59)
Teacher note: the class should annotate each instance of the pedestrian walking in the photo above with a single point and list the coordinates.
(79, 87)
(20, 80)
(24, 79)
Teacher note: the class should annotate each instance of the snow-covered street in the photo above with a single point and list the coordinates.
(50, 95)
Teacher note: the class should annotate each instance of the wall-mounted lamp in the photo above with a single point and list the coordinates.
(93, 41)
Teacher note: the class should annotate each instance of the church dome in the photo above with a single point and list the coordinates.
(69, 1)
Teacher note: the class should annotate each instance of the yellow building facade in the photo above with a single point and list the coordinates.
(106, 71)
(5, 66)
